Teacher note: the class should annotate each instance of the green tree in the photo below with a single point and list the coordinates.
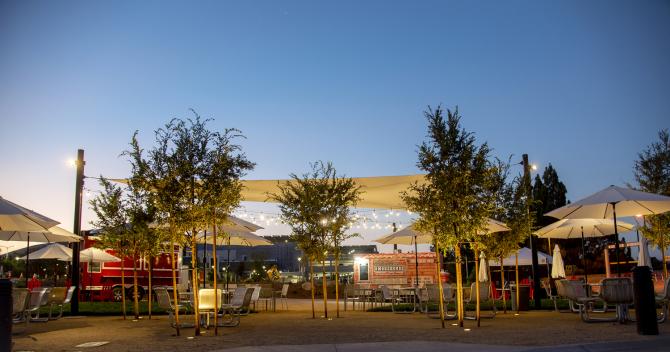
(316, 207)
(454, 202)
(194, 176)
(652, 173)
(112, 221)
(549, 193)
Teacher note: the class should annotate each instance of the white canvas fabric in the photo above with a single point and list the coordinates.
(572, 228)
(557, 266)
(483, 274)
(51, 251)
(95, 255)
(407, 235)
(643, 257)
(628, 202)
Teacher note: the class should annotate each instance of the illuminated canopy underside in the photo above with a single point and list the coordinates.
(381, 192)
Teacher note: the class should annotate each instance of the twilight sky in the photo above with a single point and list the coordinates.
(580, 84)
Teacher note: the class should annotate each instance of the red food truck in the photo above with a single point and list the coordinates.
(102, 281)
(395, 269)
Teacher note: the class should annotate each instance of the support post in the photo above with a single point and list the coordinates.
(76, 228)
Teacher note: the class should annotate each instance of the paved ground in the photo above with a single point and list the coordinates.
(295, 330)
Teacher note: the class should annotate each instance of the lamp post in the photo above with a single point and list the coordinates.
(533, 248)
(79, 187)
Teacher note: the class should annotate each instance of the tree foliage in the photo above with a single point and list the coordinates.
(549, 193)
(652, 173)
(456, 199)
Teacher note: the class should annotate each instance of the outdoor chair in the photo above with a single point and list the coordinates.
(349, 294)
(613, 291)
(546, 284)
(39, 297)
(240, 302)
(448, 296)
(61, 303)
(664, 300)
(21, 300)
(387, 296)
(207, 305)
(255, 296)
(164, 302)
(267, 295)
(57, 295)
(484, 295)
(283, 297)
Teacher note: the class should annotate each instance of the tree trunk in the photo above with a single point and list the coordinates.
(325, 289)
(477, 313)
(196, 283)
(438, 268)
(150, 297)
(311, 280)
(337, 286)
(136, 303)
(173, 261)
(459, 285)
(123, 288)
(216, 273)
(502, 285)
(516, 259)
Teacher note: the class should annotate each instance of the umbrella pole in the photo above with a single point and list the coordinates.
(518, 286)
(616, 242)
(416, 261)
(477, 283)
(216, 290)
(27, 259)
(586, 270)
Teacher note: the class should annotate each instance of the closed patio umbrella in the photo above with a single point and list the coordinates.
(483, 274)
(643, 258)
(609, 202)
(557, 266)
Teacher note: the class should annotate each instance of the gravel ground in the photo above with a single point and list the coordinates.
(296, 327)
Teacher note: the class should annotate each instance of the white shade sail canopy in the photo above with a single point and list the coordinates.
(51, 251)
(572, 228)
(95, 255)
(557, 265)
(599, 205)
(382, 192)
(525, 258)
(406, 236)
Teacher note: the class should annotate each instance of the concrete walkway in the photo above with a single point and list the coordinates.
(652, 344)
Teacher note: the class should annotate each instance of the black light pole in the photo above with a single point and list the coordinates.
(79, 187)
(533, 248)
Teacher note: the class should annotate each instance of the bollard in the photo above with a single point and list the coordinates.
(5, 315)
(645, 303)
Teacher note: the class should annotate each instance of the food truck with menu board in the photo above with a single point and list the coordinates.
(395, 269)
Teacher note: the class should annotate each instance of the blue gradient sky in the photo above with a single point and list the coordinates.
(580, 84)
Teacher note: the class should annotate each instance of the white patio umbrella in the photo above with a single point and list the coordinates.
(95, 255)
(18, 223)
(52, 251)
(643, 257)
(483, 274)
(411, 236)
(574, 228)
(557, 266)
(611, 201)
